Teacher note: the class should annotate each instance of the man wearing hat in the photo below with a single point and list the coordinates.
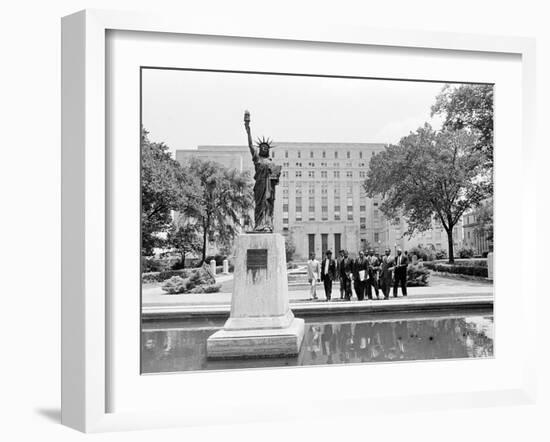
(328, 273)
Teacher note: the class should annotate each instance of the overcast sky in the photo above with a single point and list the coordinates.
(185, 108)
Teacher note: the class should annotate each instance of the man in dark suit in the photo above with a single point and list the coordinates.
(346, 269)
(400, 273)
(338, 266)
(360, 276)
(374, 267)
(328, 273)
(386, 269)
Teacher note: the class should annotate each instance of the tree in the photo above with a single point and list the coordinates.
(165, 187)
(224, 202)
(470, 107)
(429, 175)
(184, 238)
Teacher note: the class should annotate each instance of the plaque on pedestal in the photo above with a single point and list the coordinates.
(261, 323)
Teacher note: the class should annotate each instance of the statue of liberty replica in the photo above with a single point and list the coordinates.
(266, 178)
(261, 323)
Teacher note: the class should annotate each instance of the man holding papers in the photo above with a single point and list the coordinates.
(361, 276)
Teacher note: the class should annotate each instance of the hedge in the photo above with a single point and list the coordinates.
(459, 269)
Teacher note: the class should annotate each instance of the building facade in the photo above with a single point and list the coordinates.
(474, 236)
(321, 203)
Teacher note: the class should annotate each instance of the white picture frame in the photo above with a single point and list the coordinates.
(86, 313)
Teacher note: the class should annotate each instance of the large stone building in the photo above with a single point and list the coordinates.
(475, 237)
(321, 203)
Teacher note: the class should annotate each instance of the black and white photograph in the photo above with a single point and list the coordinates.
(296, 220)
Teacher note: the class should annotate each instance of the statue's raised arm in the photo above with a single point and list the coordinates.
(253, 150)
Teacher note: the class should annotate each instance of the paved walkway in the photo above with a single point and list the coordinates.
(440, 288)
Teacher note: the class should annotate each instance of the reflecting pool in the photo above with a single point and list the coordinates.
(174, 346)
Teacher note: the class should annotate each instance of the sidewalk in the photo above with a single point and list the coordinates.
(443, 293)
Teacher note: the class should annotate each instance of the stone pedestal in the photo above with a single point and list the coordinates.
(261, 323)
(213, 266)
(225, 267)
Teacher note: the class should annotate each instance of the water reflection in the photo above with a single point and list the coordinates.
(171, 347)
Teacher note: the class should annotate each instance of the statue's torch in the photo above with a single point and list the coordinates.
(246, 117)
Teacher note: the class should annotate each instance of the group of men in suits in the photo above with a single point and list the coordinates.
(368, 275)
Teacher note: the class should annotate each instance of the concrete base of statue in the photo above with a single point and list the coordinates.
(261, 323)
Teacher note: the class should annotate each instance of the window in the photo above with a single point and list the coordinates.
(285, 191)
(285, 174)
(336, 174)
(349, 174)
(286, 153)
(336, 164)
(298, 164)
(335, 154)
(350, 216)
(324, 190)
(299, 154)
(311, 154)
(360, 154)
(298, 174)
(272, 154)
(363, 220)
(310, 164)
(324, 213)
(362, 174)
(376, 213)
(324, 154)
(323, 174)
(362, 208)
(348, 155)
(350, 201)
(298, 216)
(337, 208)
(376, 237)
(337, 216)
(285, 221)
(350, 164)
(311, 174)
(285, 207)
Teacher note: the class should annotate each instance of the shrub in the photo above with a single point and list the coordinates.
(164, 275)
(465, 253)
(441, 254)
(212, 288)
(199, 281)
(175, 285)
(422, 253)
(417, 275)
(459, 268)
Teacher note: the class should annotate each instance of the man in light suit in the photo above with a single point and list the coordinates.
(328, 273)
(401, 263)
(313, 275)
